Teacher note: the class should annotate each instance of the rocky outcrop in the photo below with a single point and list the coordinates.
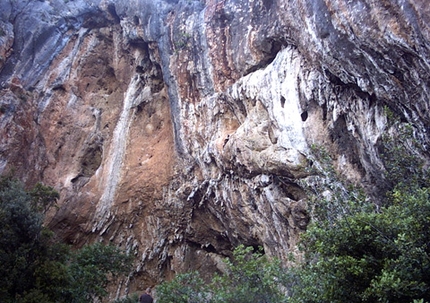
(179, 129)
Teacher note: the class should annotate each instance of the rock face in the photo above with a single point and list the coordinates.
(179, 129)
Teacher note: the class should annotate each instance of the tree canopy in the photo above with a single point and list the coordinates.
(35, 266)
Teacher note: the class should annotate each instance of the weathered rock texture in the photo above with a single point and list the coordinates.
(179, 129)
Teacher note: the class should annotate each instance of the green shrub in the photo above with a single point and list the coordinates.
(90, 269)
(35, 267)
(369, 256)
(184, 288)
(250, 277)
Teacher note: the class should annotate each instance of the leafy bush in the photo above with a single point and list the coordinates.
(90, 268)
(369, 256)
(250, 277)
(184, 288)
(34, 266)
(403, 165)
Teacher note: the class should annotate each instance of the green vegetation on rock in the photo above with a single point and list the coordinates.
(249, 277)
(35, 266)
(369, 256)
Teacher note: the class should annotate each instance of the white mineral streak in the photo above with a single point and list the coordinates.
(114, 161)
(276, 87)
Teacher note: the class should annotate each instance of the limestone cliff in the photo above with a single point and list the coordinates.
(178, 129)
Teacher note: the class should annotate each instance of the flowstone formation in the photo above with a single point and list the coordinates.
(180, 129)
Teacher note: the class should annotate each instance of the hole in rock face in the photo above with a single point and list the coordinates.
(324, 108)
(91, 160)
(304, 116)
(139, 69)
(112, 11)
(76, 178)
(59, 87)
(136, 20)
(282, 101)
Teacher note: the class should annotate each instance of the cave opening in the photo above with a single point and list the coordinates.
(304, 116)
